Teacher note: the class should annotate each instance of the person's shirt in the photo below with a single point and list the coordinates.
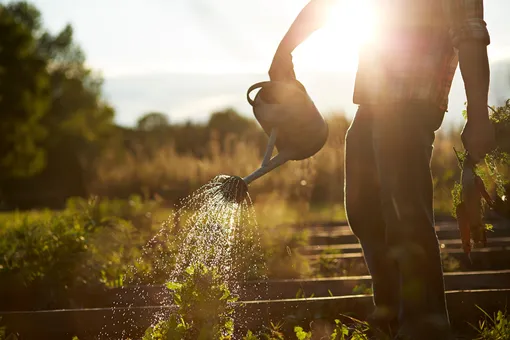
(413, 57)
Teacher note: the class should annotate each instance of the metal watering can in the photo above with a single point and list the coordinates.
(293, 124)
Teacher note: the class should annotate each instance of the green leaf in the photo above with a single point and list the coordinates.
(301, 334)
(190, 270)
(250, 336)
(173, 285)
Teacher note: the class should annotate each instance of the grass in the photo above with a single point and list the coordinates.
(496, 327)
(98, 242)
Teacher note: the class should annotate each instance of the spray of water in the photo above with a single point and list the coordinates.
(216, 227)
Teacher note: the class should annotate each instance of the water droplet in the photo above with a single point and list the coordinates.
(215, 226)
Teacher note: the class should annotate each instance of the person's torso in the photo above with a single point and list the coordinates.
(410, 57)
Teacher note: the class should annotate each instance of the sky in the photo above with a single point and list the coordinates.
(187, 58)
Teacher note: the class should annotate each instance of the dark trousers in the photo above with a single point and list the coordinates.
(389, 204)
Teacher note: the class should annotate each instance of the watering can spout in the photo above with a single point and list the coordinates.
(268, 163)
(292, 122)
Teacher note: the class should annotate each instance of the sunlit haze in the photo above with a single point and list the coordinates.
(146, 49)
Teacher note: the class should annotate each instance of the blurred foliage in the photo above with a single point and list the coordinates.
(177, 159)
(50, 258)
(493, 327)
(24, 93)
(153, 121)
(54, 120)
(91, 243)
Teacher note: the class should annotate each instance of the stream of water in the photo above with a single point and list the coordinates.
(209, 228)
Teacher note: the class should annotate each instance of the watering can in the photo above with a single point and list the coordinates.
(290, 119)
(293, 124)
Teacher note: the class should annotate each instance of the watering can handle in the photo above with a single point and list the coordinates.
(254, 87)
(267, 82)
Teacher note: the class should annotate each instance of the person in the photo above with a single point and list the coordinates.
(401, 89)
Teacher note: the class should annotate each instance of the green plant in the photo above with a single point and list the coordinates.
(357, 331)
(490, 170)
(329, 265)
(204, 308)
(362, 289)
(340, 332)
(86, 244)
(273, 332)
(250, 336)
(450, 263)
(281, 248)
(100, 210)
(496, 327)
(301, 334)
(301, 294)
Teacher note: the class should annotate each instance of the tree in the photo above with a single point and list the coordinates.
(229, 121)
(79, 118)
(24, 94)
(67, 122)
(154, 132)
(153, 121)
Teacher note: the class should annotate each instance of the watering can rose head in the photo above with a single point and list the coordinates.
(287, 107)
(232, 188)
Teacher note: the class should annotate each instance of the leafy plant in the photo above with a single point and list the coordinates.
(496, 327)
(362, 289)
(204, 308)
(301, 334)
(84, 245)
(329, 266)
(250, 336)
(358, 330)
(489, 171)
(271, 332)
(340, 332)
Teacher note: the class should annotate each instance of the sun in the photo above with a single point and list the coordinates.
(335, 47)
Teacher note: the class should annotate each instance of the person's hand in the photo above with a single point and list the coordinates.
(478, 135)
(282, 67)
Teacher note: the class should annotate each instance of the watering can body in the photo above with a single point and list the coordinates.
(287, 108)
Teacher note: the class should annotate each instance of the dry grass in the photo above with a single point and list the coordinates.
(305, 190)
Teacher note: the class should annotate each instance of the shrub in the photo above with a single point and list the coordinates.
(204, 308)
(84, 245)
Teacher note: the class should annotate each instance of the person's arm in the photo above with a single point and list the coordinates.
(474, 67)
(469, 34)
(311, 18)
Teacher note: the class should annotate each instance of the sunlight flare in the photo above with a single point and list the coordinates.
(335, 46)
